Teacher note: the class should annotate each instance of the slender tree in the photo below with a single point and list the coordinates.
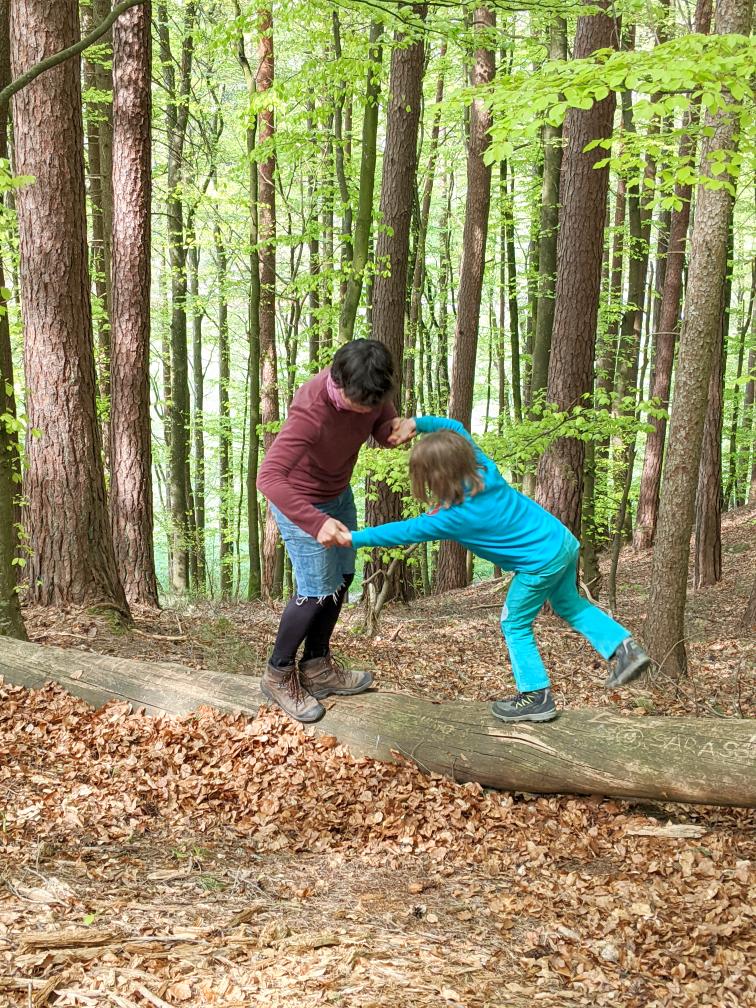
(11, 621)
(583, 193)
(452, 565)
(664, 631)
(177, 119)
(225, 430)
(72, 558)
(364, 220)
(667, 330)
(254, 582)
(551, 138)
(272, 558)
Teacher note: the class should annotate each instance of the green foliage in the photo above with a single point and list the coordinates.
(669, 80)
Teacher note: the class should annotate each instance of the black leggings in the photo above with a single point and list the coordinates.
(311, 620)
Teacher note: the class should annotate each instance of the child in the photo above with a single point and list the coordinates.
(475, 506)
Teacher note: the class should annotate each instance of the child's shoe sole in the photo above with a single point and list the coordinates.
(630, 674)
(535, 718)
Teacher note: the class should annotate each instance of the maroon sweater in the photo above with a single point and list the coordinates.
(313, 455)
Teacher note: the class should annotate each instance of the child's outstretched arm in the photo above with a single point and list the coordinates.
(441, 524)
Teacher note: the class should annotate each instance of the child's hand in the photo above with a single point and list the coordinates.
(344, 537)
(403, 429)
(332, 533)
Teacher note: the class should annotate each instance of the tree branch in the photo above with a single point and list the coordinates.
(60, 57)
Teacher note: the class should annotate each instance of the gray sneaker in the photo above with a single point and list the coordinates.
(537, 705)
(629, 661)
(283, 687)
(328, 676)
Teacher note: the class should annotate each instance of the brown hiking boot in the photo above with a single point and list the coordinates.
(327, 676)
(282, 686)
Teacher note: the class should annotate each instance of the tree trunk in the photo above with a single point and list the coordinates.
(130, 435)
(272, 553)
(707, 569)
(226, 552)
(551, 138)
(392, 246)
(707, 563)
(177, 115)
(254, 583)
(452, 560)
(397, 187)
(198, 419)
(749, 416)
(364, 221)
(749, 616)
(666, 335)
(583, 193)
(664, 631)
(444, 284)
(704, 760)
(11, 621)
(732, 495)
(508, 237)
(99, 251)
(415, 336)
(72, 559)
(313, 247)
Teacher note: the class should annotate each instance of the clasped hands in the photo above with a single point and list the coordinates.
(335, 533)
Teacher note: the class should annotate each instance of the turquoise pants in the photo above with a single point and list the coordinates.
(555, 583)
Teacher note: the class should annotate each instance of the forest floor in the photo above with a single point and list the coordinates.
(212, 860)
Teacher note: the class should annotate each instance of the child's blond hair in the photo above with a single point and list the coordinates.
(443, 469)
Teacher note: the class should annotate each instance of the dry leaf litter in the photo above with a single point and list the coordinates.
(213, 860)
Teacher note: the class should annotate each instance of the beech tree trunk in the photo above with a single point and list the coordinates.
(551, 138)
(415, 334)
(272, 551)
(254, 583)
(582, 195)
(666, 334)
(664, 630)
(707, 562)
(226, 553)
(684, 759)
(363, 223)
(452, 560)
(750, 419)
(130, 434)
(72, 559)
(177, 114)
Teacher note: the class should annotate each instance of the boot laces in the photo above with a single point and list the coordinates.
(293, 684)
(338, 667)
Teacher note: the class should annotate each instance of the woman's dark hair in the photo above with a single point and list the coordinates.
(364, 371)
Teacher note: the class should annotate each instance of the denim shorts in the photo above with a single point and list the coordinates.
(318, 570)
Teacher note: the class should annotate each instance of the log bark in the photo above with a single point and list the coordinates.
(698, 760)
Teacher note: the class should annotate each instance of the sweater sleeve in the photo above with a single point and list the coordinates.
(293, 441)
(441, 524)
(382, 425)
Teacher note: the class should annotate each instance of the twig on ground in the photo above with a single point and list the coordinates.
(160, 637)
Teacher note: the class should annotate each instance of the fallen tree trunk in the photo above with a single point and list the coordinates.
(707, 760)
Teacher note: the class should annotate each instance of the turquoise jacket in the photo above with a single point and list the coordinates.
(498, 523)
